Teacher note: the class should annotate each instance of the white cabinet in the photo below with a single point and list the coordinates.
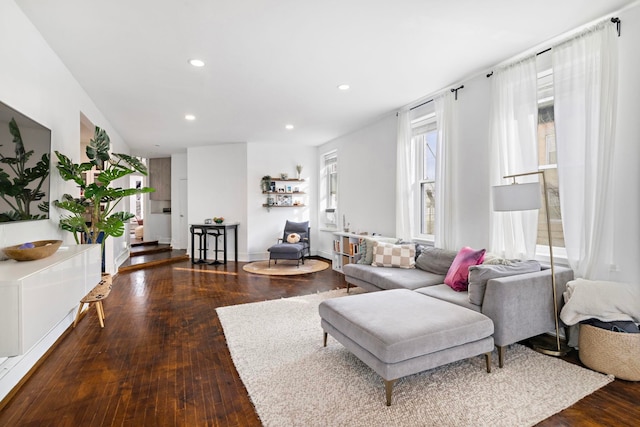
(36, 295)
(160, 178)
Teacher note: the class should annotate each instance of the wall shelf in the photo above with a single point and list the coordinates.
(280, 194)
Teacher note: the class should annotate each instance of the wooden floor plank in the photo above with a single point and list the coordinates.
(162, 358)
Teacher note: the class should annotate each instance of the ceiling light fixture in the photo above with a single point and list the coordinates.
(343, 87)
(189, 117)
(288, 127)
(196, 62)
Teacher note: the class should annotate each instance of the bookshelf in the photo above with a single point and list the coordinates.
(346, 249)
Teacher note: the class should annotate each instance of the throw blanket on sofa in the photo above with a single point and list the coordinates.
(606, 301)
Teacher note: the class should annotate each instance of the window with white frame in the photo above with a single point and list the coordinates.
(424, 133)
(547, 154)
(329, 188)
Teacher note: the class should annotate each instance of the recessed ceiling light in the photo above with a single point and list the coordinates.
(343, 87)
(196, 62)
(288, 127)
(189, 117)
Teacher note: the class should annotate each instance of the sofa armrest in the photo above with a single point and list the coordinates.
(521, 306)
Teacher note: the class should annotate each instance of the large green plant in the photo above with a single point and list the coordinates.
(93, 212)
(26, 184)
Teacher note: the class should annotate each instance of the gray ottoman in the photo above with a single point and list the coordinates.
(400, 332)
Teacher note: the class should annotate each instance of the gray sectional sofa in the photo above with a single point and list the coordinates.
(519, 303)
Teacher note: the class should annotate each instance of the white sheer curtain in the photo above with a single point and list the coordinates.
(405, 178)
(586, 86)
(513, 140)
(446, 119)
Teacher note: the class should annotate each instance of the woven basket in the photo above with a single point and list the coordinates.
(614, 353)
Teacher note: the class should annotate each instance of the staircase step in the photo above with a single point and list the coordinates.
(153, 259)
(143, 243)
(147, 250)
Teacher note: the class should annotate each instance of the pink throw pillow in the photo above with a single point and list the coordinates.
(458, 275)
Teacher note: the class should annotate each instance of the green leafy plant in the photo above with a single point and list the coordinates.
(25, 187)
(93, 213)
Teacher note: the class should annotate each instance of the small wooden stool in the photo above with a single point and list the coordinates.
(98, 293)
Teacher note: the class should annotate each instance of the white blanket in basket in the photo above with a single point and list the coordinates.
(606, 301)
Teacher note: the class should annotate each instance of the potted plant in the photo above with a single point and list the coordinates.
(93, 214)
(265, 183)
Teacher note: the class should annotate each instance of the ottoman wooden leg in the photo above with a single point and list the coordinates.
(388, 389)
(487, 357)
(325, 340)
(500, 355)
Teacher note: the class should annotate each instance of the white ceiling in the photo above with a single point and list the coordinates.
(275, 62)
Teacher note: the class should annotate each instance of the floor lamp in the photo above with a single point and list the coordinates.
(521, 197)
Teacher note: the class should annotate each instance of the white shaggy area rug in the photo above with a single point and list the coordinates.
(294, 381)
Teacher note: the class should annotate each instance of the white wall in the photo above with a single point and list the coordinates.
(367, 165)
(35, 82)
(265, 226)
(218, 187)
(366, 180)
(626, 182)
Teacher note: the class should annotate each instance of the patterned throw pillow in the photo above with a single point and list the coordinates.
(366, 256)
(458, 275)
(390, 255)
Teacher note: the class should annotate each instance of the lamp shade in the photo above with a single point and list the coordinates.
(516, 197)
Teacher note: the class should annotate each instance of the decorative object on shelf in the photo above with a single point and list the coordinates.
(265, 183)
(208, 221)
(92, 214)
(288, 189)
(284, 176)
(23, 182)
(345, 224)
(284, 200)
(299, 170)
(270, 201)
(218, 219)
(31, 251)
(521, 197)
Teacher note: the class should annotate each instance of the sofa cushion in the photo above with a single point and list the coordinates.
(390, 255)
(392, 278)
(479, 275)
(445, 293)
(458, 274)
(366, 248)
(435, 260)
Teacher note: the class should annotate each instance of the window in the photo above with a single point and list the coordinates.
(547, 156)
(424, 133)
(329, 188)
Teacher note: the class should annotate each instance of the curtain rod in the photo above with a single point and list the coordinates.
(615, 20)
(431, 100)
(420, 105)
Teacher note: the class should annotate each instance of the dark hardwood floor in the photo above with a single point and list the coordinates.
(162, 360)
